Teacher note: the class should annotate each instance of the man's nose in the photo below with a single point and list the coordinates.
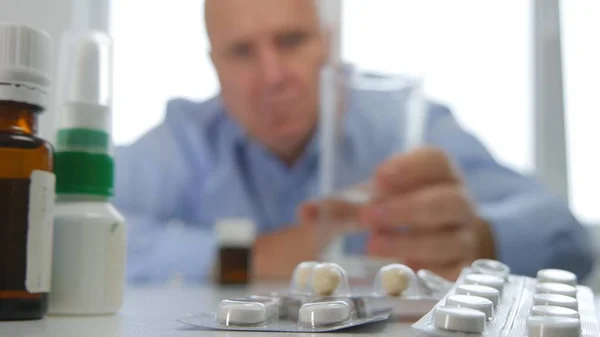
(272, 68)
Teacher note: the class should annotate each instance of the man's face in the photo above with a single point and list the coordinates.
(268, 55)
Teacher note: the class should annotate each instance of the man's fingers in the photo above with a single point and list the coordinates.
(430, 208)
(408, 172)
(426, 250)
(331, 211)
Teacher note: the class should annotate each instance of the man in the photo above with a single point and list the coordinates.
(252, 152)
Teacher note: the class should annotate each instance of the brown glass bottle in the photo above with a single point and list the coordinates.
(234, 265)
(21, 153)
(235, 242)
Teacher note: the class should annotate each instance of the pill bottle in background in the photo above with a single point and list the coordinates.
(88, 275)
(26, 174)
(235, 240)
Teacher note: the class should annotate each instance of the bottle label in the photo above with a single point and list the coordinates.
(40, 232)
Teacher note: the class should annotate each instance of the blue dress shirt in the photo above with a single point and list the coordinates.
(198, 166)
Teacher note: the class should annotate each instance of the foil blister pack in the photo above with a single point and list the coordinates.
(489, 301)
(320, 299)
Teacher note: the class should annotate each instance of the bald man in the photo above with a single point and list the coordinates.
(252, 152)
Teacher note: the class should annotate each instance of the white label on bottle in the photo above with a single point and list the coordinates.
(39, 232)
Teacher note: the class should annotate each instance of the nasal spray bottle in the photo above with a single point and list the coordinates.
(90, 235)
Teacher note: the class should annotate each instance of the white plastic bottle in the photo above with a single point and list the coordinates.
(88, 275)
(89, 249)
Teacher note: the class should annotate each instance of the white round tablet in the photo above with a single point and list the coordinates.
(486, 280)
(241, 313)
(556, 300)
(459, 319)
(301, 276)
(490, 293)
(556, 288)
(557, 276)
(550, 326)
(395, 279)
(473, 302)
(326, 278)
(324, 313)
(551, 310)
(491, 267)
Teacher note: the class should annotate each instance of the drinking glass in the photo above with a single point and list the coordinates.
(366, 117)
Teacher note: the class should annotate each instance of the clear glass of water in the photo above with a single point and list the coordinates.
(366, 118)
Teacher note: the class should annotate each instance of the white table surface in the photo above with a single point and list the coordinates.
(153, 312)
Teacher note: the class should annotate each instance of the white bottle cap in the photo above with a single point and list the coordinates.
(459, 319)
(549, 326)
(241, 313)
(25, 63)
(473, 302)
(324, 313)
(551, 310)
(86, 97)
(486, 280)
(557, 300)
(235, 232)
(490, 293)
(491, 267)
(557, 276)
(556, 288)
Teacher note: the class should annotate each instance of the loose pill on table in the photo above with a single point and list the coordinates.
(490, 293)
(551, 326)
(395, 280)
(232, 312)
(326, 278)
(557, 276)
(324, 313)
(459, 319)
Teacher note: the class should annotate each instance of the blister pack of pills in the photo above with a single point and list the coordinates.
(489, 301)
(320, 300)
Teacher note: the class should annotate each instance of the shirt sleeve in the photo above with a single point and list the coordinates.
(532, 228)
(150, 185)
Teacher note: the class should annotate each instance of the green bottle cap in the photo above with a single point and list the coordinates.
(84, 173)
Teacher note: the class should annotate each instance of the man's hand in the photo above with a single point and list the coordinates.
(277, 254)
(421, 215)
